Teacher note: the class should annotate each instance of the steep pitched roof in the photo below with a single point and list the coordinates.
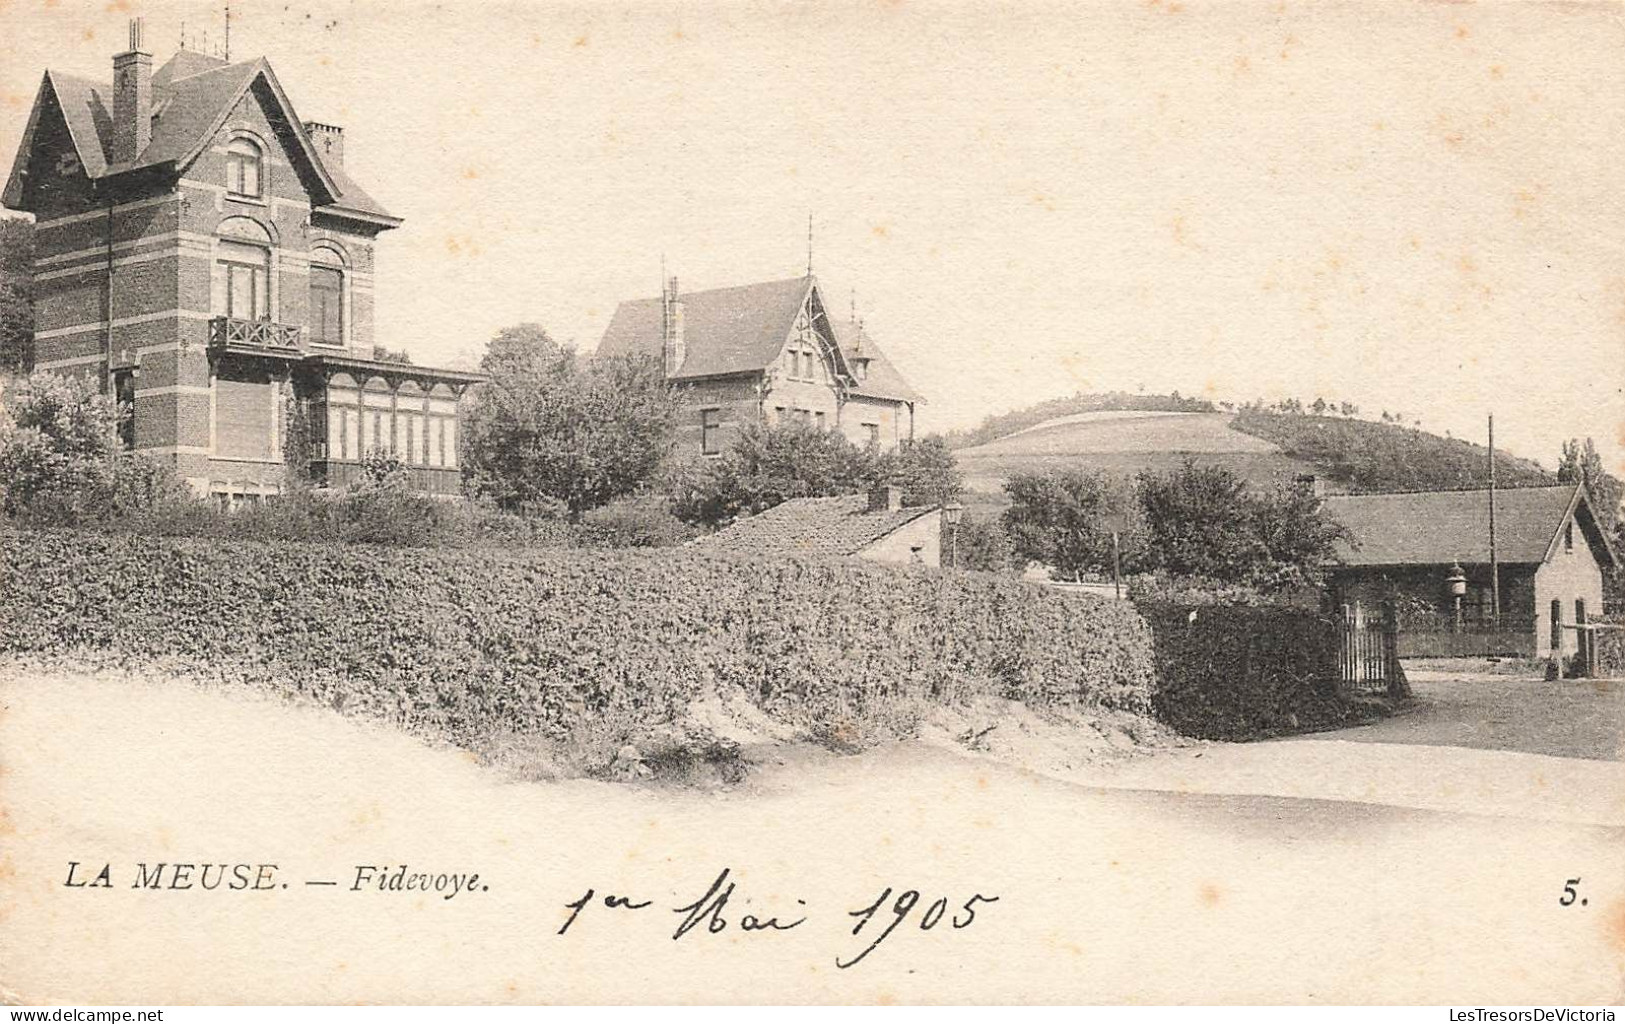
(725, 330)
(812, 526)
(1441, 527)
(192, 95)
(882, 379)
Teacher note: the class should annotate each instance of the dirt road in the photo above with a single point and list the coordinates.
(1582, 718)
(1406, 893)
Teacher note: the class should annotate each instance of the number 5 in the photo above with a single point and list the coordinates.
(1569, 895)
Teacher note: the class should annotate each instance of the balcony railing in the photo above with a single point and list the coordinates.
(260, 335)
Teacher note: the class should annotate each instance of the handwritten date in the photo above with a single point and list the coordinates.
(709, 914)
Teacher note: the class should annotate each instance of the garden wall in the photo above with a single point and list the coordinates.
(462, 643)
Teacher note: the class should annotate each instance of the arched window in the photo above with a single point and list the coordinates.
(244, 163)
(327, 282)
(246, 269)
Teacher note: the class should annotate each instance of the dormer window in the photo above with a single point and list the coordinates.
(244, 162)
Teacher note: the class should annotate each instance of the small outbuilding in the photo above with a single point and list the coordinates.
(1426, 549)
(874, 526)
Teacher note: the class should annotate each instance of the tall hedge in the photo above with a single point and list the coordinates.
(463, 642)
(1233, 672)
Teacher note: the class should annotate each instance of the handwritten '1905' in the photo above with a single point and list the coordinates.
(708, 910)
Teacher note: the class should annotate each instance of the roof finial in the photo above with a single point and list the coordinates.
(854, 315)
(228, 32)
(663, 275)
(809, 243)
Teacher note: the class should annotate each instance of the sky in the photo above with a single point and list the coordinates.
(1413, 207)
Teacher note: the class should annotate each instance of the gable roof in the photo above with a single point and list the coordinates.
(812, 526)
(1443, 527)
(192, 96)
(725, 330)
(882, 380)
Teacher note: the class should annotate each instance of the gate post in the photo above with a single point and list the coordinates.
(1392, 673)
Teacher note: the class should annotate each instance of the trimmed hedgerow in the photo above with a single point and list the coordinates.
(464, 643)
(1233, 672)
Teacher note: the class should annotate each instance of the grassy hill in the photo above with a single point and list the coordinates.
(1125, 434)
(1003, 425)
(1123, 443)
(1363, 456)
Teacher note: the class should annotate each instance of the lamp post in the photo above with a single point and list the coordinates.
(951, 513)
(1457, 580)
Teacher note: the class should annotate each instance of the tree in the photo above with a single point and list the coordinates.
(1064, 518)
(925, 469)
(765, 466)
(1581, 463)
(550, 427)
(1204, 522)
(1298, 538)
(16, 292)
(1200, 522)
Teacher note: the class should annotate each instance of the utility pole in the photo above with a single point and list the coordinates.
(1495, 563)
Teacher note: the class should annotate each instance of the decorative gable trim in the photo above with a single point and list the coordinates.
(305, 147)
(1601, 546)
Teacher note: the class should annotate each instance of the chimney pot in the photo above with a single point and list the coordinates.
(885, 498)
(673, 345)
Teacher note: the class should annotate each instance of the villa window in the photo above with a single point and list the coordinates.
(124, 395)
(1568, 537)
(247, 296)
(244, 163)
(873, 432)
(818, 420)
(710, 431)
(326, 306)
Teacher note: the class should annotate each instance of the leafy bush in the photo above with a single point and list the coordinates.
(1230, 672)
(768, 465)
(466, 644)
(60, 457)
(643, 522)
(982, 543)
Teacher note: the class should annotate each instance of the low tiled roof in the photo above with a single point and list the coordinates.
(1441, 527)
(812, 526)
(725, 330)
(882, 380)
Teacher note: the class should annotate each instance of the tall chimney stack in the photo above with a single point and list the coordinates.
(673, 346)
(329, 140)
(132, 98)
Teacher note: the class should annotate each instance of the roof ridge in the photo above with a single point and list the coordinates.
(218, 67)
(1452, 490)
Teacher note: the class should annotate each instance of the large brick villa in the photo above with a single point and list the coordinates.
(201, 252)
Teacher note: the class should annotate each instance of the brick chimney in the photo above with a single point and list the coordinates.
(329, 140)
(672, 344)
(132, 98)
(885, 498)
